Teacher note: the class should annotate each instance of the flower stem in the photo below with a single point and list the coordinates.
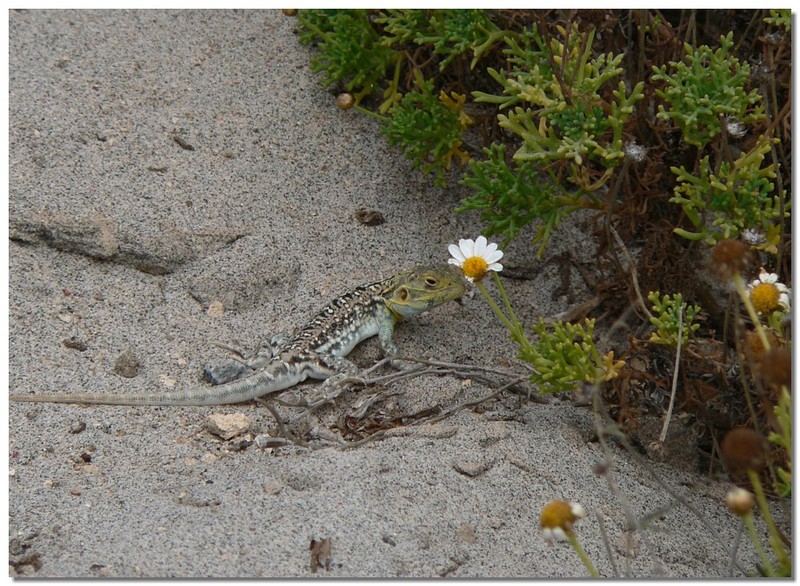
(751, 530)
(774, 536)
(576, 545)
(500, 315)
(517, 330)
(369, 113)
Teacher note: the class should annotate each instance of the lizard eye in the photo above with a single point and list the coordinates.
(402, 294)
(431, 281)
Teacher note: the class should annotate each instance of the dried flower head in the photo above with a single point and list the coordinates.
(735, 128)
(634, 151)
(744, 449)
(753, 236)
(754, 345)
(345, 101)
(775, 368)
(740, 501)
(729, 257)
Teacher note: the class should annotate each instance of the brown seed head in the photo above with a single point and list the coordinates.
(775, 368)
(754, 347)
(289, 11)
(729, 257)
(740, 501)
(744, 449)
(345, 101)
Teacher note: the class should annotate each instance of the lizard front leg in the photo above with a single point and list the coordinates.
(390, 349)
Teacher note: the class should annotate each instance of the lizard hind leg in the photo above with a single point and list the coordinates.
(340, 370)
(245, 363)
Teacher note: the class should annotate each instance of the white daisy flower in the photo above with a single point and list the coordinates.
(767, 294)
(557, 518)
(553, 534)
(475, 258)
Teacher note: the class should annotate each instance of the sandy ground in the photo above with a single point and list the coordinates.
(164, 161)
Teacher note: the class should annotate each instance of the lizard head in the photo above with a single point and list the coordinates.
(421, 288)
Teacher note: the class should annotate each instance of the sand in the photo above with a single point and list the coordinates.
(181, 177)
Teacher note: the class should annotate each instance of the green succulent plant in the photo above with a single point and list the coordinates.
(350, 50)
(511, 195)
(724, 203)
(565, 356)
(668, 314)
(554, 96)
(705, 88)
(428, 128)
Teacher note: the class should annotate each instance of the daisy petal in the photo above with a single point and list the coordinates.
(456, 253)
(493, 257)
(480, 246)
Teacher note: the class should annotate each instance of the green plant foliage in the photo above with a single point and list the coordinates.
(428, 129)
(667, 311)
(738, 196)
(781, 17)
(566, 108)
(783, 414)
(509, 198)
(567, 356)
(450, 32)
(350, 50)
(555, 102)
(402, 26)
(704, 87)
(454, 32)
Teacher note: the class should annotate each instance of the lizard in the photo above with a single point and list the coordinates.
(316, 351)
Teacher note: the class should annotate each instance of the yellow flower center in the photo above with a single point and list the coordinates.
(765, 298)
(557, 514)
(475, 268)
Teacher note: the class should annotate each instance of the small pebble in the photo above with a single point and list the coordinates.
(216, 309)
(74, 343)
(77, 427)
(127, 364)
(466, 533)
(369, 217)
(168, 381)
(227, 426)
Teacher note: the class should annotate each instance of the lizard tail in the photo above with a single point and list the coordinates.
(256, 385)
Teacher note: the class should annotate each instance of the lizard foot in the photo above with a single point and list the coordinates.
(218, 374)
